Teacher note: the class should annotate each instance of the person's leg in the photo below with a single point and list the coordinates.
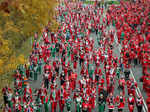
(68, 108)
(80, 61)
(61, 106)
(35, 75)
(47, 83)
(139, 108)
(96, 31)
(5, 99)
(55, 106)
(135, 61)
(110, 110)
(120, 110)
(129, 61)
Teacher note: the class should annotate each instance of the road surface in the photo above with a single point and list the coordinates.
(137, 72)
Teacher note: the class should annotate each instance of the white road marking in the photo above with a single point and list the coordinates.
(137, 90)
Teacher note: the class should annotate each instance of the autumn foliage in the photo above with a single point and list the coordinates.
(19, 20)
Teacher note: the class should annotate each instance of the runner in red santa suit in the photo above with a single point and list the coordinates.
(100, 84)
(62, 97)
(42, 93)
(145, 62)
(54, 99)
(73, 80)
(85, 91)
(131, 102)
(47, 53)
(65, 67)
(88, 81)
(7, 109)
(35, 44)
(78, 100)
(46, 79)
(96, 56)
(56, 63)
(53, 83)
(81, 59)
(146, 83)
(120, 99)
(84, 70)
(47, 67)
(131, 85)
(110, 84)
(90, 102)
(34, 59)
(111, 102)
(72, 56)
(148, 102)
(27, 71)
(40, 55)
(28, 108)
(75, 62)
(93, 96)
(85, 105)
(17, 75)
(67, 86)
(44, 52)
(27, 94)
(139, 103)
(18, 85)
(5, 92)
(17, 103)
(98, 74)
(121, 86)
(82, 82)
(45, 37)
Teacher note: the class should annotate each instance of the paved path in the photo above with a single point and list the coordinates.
(137, 71)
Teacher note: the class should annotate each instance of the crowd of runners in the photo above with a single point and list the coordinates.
(78, 64)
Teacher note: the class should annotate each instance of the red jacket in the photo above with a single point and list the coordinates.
(62, 95)
(122, 82)
(131, 100)
(54, 96)
(111, 102)
(139, 101)
(85, 105)
(121, 102)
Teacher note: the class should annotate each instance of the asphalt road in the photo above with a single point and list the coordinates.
(137, 72)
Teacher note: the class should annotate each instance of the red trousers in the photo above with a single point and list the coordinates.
(54, 106)
(61, 105)
(73, 84)
(42, 99)
(75, 65)
(131, 108)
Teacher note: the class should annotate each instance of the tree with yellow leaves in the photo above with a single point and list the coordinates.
(19, 20)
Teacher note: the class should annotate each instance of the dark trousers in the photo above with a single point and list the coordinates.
(46, 83)
(96, 30)
(139, 108)
(120, 110)
(111, 110)
(84, 110)
(135, 61)
(5, 99)
(81, 61)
